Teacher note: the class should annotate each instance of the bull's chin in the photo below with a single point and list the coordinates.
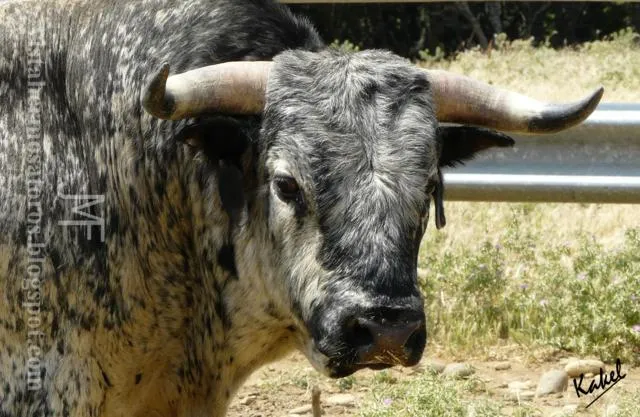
(342, 371)
(334, 368)
(340, 367)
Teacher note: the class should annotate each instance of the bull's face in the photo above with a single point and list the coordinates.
(349, 175)
(349, 160)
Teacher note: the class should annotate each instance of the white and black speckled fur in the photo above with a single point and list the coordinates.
(198, 282)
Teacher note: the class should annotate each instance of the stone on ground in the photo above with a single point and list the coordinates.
(519, 395)
(248, 400)
(583, 366)
(520, 385)
(502, 366)
(612, 410)
(305, 409)
(458, 370)
(552, 382)
(435, 367)
(342, 399)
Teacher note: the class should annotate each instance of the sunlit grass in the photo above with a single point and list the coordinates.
(556, 276)
(429, 395)
(516, 285)
(565, 276)
(557, 74)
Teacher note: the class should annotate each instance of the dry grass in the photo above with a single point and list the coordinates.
(471, 223)
(550, 74)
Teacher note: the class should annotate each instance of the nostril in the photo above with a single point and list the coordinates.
(416, 338)
(383, 333)
(359, 334)
(389, 342)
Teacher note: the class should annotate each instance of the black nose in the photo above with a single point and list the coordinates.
(380, 341)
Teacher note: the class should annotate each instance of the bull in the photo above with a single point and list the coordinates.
(191, 189)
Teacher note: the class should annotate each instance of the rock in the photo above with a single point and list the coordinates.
(520, 391)
(583, 366)
(521, 386)
(247, 400)
(305, 409)
(519, 395)
(458, 370)
(435, 367)
(552, 382)
(612, 410)
(342, 399)
(502, 366)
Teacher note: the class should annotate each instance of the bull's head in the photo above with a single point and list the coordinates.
(350, 158)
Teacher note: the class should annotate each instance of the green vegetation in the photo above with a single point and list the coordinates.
(565, 276)
(409, 29)
(431, 396)
(573, 296)
(425, 396)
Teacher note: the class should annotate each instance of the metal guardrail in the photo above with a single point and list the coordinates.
(597, 161)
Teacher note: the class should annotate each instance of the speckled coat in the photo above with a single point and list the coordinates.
(148, 267)
(153, 320)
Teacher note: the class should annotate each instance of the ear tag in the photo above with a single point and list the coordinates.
(438, 197)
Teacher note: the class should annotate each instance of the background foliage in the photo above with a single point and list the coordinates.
(408, 29)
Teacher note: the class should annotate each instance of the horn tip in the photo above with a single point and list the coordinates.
(597, 94)
(587, 105)
(560, 117)
(155, 99)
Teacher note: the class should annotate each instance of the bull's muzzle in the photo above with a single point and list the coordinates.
(377, 338)
(383, 343)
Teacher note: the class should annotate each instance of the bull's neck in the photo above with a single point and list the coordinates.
(201, 315)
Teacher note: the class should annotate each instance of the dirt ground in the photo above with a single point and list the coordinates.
(279, 388)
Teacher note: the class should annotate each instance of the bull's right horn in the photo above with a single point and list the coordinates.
(461, 99)
(231, 88)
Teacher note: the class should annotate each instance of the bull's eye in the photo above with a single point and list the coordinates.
(287, 188)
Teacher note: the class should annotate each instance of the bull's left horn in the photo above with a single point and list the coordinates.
(231, 88)
(461, 99)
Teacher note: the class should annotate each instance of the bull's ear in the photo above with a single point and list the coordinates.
(457, 145)
(223, 141)
(460, 143)
(438, 199)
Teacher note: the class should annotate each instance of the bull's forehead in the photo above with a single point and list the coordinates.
(360, 127)
(367, 114)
